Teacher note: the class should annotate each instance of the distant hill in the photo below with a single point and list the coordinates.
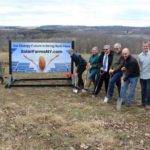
(104, 29)
(15, 27)
(84, 36)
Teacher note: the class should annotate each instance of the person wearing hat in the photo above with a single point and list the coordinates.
(105, 61)
(80, 64)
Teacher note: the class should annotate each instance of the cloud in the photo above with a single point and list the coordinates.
(68, 12)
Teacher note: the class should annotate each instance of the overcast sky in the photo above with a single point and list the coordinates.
(75, 12)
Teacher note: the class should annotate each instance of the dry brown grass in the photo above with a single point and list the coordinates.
(44, 118)
(4, 56)
(55, 118)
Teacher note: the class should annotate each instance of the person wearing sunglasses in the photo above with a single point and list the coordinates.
(105, 61)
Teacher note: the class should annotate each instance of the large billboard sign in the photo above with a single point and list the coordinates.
(38, 57)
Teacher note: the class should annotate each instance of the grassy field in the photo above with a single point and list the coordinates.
(58, 119)
(4, 56)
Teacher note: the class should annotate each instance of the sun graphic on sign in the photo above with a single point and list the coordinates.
(42, 64)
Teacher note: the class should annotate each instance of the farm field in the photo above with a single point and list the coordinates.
(55, 118)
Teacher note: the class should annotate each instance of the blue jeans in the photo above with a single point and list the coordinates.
(115, 79)
(145, 91)
(130, 86)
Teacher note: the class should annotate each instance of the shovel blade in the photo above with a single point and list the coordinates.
(75, 90)
(119, 103)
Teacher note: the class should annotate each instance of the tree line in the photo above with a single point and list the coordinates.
(85, 37)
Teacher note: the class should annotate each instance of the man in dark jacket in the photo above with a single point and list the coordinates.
(80, 64)
(105, 61)
(131, 73)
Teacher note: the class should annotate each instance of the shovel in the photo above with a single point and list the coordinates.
(119, 103)
(75, 80)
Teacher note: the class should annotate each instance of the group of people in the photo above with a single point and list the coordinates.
(115, 67)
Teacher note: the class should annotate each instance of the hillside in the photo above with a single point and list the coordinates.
(84, 36)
